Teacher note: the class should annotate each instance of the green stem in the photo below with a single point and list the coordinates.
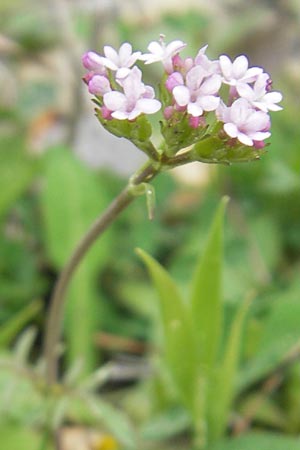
(55, 314)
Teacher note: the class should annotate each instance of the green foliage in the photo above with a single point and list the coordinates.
(265, 441)
(207, 379)
(73, 197)
(17, 169)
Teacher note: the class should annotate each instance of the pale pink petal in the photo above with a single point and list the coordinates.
(257, 121)
(176, 79)
(208, 102)
(155, 48)
(132, 58)
(92, 61)
(225, 65)
(259, 135)
(148, 106)
(125, 52)
(194, 77)
(252, 74)
(194, 109)
(114, 100)
(111, 54)
(174, 47)
(181, 95)
(211, 85)
(273, 97)
(244, 90)
(122, 73)
(231, 129)
(244, 139)
(239, 67)
(120, 115)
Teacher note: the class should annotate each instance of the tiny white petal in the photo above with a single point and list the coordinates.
(211, 85)
(155, 48)
(194, 109)
(260, 135)
(148, 106)
(209, 102)
(111, 54)
(181, 95)
(231, 129)
(125, 51)
(244, 139)
(114, 100)
(225, 65)
(175, 47)
(239, 66)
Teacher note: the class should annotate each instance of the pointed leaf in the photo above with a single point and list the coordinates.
(206, 304)
(222, 389)
(178, 334)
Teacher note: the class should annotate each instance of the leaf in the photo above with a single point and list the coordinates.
(274, 346)
(16, 171)
(206, 307)
(14, 438)
(10, 329)
(222, 390)
(259, 441)
(116, 422)
(166, 425)
(71, 201)
(178, 334)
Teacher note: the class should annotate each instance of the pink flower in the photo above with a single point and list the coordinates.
(198, 92)
(259, 96)
(241, 121)
(162, 52)
(236, 73)
(136, 99)
(120, 61)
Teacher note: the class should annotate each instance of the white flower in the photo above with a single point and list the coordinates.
(243, 122)
(198, 93)
(237, 73)
(258, 95)
(120, 61)
(136, 99)
(207, 64)
(159, 51)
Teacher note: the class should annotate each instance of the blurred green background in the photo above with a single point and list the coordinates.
(59, 169)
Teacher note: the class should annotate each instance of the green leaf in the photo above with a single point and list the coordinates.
(178, 334)
(274, 346)
(15, 438)
(71, 201)
(206, 292)
(11, 328)
(16, 171)
(222, 389)
(114, 420)
(259, 441)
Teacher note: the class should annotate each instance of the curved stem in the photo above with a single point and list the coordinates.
(54, 322)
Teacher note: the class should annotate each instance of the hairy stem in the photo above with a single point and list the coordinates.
(55, 314)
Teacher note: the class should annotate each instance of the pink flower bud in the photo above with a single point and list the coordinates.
(93, 61)
(168, 112)
(175, 79)
(106, 113)
(194, 121)
(259, 144)
(99, 85)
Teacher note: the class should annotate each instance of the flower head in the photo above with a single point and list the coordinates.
(159, 51)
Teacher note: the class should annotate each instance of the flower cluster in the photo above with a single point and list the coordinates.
(205, 91)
